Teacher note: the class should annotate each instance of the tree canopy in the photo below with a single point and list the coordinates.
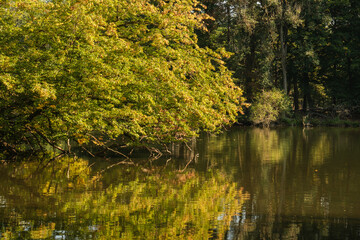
(101, 70)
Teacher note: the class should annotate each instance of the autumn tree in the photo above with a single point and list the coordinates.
(128, 72)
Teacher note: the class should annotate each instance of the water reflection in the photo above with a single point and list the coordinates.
(246, 183)
(303, 183)
(68, 199)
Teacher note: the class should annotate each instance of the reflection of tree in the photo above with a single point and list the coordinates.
(270, 146)
(301, 181)
(29, 189)
(171, 206)
(67, 199)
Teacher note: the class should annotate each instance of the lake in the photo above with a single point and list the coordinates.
(245, 183)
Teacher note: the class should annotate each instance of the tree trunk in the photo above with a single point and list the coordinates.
(296, 95)
(228, 25)
(351, 82)
(307, 104)
(249, 67)
(283, 35)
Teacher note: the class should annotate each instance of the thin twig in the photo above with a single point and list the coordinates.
(38, 169)
(45, 138)
(37, 140)
(167, 149)
(187, 165)
(107, 148)
(188, 146)
(167, 161)
(152, 155)
(116, 164)
(87, 151)
(113, 150)
(131, 151)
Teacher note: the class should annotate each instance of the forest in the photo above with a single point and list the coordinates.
(145, 73)
(307, 48)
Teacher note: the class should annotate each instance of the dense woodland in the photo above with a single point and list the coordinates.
(308, 48)
(151, 72)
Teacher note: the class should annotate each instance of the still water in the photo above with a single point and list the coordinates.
(246, 183)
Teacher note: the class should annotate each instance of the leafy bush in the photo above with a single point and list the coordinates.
(268, 106)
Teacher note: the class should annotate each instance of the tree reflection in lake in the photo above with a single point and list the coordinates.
(68, 199)
(298, 184)
(303, 183)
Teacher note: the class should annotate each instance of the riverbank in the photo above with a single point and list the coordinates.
(308, 121)
(311, 119)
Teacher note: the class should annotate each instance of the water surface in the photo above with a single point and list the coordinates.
(246, 183)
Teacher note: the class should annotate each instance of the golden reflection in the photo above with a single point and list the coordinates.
(72, 200)
(294, 177)
(299, 183)
(269, 146)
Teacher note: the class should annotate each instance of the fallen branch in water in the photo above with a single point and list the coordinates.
(87, 151)
(153, 150)
(98, 142)
(116, 164)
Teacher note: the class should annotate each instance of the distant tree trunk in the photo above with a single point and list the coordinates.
(283, 35)
(228, 24)
(307, 97)
(334, 95)
(296, 95)
(249, 67)
(351, 82)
